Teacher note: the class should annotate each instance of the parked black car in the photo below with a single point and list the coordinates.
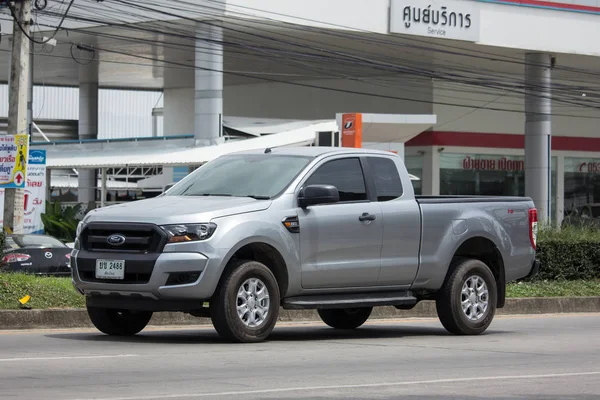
(36, 254)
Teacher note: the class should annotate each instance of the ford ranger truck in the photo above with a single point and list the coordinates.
(338, 230)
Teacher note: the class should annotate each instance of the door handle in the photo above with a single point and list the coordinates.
(366, 217)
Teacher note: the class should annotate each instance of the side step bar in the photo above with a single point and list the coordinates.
(353, 300)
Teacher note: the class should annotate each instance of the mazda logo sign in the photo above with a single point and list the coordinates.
(48, 254)
(115, 240)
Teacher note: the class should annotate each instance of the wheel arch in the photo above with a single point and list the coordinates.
(486, 251)
(264, 252)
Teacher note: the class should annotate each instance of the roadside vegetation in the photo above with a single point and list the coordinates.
(570, 260)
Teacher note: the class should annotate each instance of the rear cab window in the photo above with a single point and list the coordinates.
(388, 184)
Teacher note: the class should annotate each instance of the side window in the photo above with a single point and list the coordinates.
(346, 175)
(388, 184)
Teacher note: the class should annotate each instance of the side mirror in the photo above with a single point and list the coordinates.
(318, 194)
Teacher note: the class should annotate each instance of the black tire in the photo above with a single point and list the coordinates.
(119, 322)
(223, 307)
(449, 299)
(346, 318)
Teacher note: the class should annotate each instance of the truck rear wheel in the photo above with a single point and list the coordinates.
(245, 306)
(118, 322)
(347, 318)
(466, 304)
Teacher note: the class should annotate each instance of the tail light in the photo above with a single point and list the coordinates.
(15, 257)
(533, 227)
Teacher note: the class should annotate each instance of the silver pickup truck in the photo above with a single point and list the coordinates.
(333, 229)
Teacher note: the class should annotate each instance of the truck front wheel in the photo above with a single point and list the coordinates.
(350, 318)
(118, 322)
(245, 306)
(466, 304)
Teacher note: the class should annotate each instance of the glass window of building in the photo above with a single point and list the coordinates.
(414, 166)
(582, 187)
(487, 175)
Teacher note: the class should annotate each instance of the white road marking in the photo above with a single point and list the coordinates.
(63, 358)
(342, 387)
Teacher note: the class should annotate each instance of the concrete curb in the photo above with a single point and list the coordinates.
(77, 318)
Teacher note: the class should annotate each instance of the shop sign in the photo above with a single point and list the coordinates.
(590, 167)
(35, 193)
(491, 164)
(457, 20)
(13, 161)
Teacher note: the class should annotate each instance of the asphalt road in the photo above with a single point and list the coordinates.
(537, 357)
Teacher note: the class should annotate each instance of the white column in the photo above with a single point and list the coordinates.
(430, 181)
(560, 189)
(103, 188)
(538, 128)
(208, 96)
(88, 126)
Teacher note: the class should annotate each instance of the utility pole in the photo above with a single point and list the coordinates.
(17, 106)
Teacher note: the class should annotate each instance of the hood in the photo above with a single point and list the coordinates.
(175, 209)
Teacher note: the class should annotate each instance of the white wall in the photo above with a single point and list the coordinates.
(277, 100)
(538, 29)
(122, 113)
(178, 117)
(363, 15)
(472, 119)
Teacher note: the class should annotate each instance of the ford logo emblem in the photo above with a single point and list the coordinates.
(115, 240)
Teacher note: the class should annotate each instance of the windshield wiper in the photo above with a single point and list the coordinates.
(257, 197)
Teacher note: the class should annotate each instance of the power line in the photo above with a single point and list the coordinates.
(321, 87)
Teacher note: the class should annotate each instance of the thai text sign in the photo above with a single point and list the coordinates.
(35, 193)
(439, 19)
(13, 161)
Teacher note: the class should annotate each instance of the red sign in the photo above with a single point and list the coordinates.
(501, 164)
(590, 167)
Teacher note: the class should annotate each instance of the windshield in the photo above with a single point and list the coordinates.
(35, 241)
(261, 176)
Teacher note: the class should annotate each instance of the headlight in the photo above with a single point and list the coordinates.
(189, 232)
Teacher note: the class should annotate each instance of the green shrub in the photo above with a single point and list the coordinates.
(62, 224)
(569, 253)
(2, 246)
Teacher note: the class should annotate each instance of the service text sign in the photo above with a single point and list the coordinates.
(35, 194)
(457, 20)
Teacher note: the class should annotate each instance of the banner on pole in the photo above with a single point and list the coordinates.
(13, 161)
(35, 193)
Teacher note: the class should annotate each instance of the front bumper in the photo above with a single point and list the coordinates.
(149, 277)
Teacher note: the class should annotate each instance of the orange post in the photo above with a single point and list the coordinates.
(352, 130)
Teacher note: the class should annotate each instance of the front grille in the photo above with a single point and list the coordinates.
(139, 238)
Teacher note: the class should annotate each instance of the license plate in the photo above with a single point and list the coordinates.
(110, 269)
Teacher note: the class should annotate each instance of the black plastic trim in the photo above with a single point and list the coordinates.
(349, 300)
(138, 266)
(469, 199)
(153, 240)
(116, 301)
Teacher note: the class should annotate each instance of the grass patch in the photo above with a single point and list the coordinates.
(59, 293)
(554, 288)
(45, 292)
